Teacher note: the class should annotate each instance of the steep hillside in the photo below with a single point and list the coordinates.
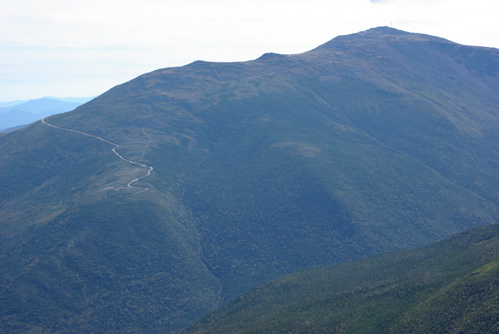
(447, 287)
(182, 189)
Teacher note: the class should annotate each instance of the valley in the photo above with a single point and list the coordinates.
(447, 287)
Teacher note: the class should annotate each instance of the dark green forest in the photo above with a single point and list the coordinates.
(447, 287)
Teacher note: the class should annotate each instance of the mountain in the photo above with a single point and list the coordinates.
(8, 104)
(26, 112)
(448, 287)
(174, 193)
(80, 100)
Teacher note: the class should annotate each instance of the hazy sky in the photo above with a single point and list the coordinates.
(77, 48)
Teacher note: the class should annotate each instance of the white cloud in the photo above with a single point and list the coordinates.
(70, 47)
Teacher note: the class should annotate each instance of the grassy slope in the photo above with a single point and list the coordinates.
(80, 252)
(447, 287)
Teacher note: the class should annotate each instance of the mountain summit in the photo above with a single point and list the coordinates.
(169, 195)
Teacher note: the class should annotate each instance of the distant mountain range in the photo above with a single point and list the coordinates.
(16, 114)
(170, 195)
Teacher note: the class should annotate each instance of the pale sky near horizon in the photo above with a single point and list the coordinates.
(70, 48)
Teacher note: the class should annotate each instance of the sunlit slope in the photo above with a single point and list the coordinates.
(447, 287)
(188, 186)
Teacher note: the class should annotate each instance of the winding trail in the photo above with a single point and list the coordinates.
(129, 185)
